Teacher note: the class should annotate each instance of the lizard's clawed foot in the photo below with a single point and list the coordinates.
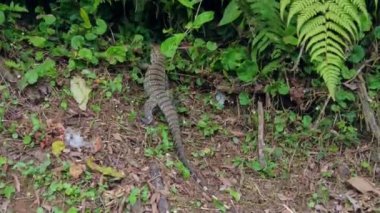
(146, 120)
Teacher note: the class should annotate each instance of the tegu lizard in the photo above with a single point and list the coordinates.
(156, 87)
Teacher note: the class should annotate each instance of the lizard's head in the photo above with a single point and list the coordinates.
(155, 53)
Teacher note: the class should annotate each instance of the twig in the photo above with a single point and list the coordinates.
(260, 138)
(360, 69)
(321, 114)
(295, 66)
(287, 208)
(369, 115)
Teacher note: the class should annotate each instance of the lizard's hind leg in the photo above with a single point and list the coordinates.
(149, 105)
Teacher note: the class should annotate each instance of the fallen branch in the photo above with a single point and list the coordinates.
(159, 188)
(369, 115)
(260, 138)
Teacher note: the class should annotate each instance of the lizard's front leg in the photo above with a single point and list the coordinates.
(149, 105)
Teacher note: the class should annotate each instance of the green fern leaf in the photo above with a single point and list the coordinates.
(304, 35)
(346, 24)
(309, 13)
(283, 5)
(315, 40)
(316, 25)
(337, 39)
(349, 20)
(325, 45)
(362, 6)
(298, 6)
(347, 7)
(339, 30)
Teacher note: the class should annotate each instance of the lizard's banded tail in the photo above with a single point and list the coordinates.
(167, 107)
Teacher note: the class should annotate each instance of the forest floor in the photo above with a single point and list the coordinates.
(304, 177)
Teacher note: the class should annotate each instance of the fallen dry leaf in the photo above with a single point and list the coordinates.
(97, 144)
(237, 133)
(104, 169)
(57, 147)
(80, 92)
(76, 170)
(362, 185)
(117, 137)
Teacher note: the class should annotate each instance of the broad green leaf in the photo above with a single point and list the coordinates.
(3, 160)
(132, 198)
(27, 140)
(49, 19)
(306, 121)
(57, 147)
(232, 57)
(247, 71)
(31, 76)
(231, 13)
(212, 46)
(90, 36)
(377, 32)
(85, 18)
(348, 73)
(37, 41)
(374, 82)
(72, 210)
(244, 99)
(2, 17)
(187, 3)
(290, 40)
(202, 19)
(283, 89)
(357, 54)
(101, 27)
(86, 53)
(80, 92)
(77, 42)
(8, 191)
(234, 194)
(116, 54)
(72, 65)
(170, 45)
(47, 68)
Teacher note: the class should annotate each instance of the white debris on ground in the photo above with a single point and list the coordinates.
(74, 139)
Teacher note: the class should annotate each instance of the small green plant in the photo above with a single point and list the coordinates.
(183, 170)
(207, 126)
(113, 86)
(162, 148)
(321, 196)
(138, 194)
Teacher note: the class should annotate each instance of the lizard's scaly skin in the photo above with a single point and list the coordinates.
(156, 87)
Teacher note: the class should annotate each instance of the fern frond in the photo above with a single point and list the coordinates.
(362, 6)
(339, 30)
(347, 7)
(312, 25)
(327, 28)
(309, 13)
(337, 39)
(265, 17)
(346, 24)
(304, 35)
(298, 6)
(283, 5)
(325, 45)
(348, 19)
